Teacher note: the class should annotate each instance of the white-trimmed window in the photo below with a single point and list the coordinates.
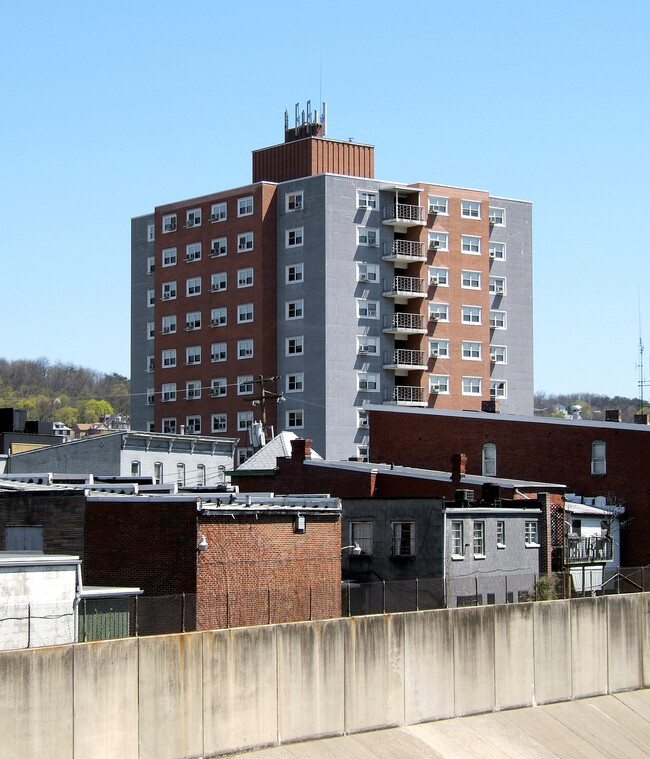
(498, 389)
(245, 206)
(497, 250)
(479, 539)
(168, 358)
(294, 309)
(192, 320)
(439, 276)
(294, 273)
(439, 384)
(219, 282)
(244, 313)
(295, 345)
(470, 244)
(367, 236)
(472, 350)
(501, 533)
(169, 257)
(193, 354)
(218, 387)
(531, 533)
(438, 348)
(244, 277)
(403, 538)
(245, 348)
(438, 241)
(168, 391)
(293, 201)
(201, 477)
(151, 363)
(169, 290)
(489, 461)
(294, 237)
(367, 345)
(368, 382)
(193, 218)
(598, 457)
(151, 396)
(472, 386)
(245, 384)
(367, 309)
(151, 264)
(151, 232)
(362, 418)
(151, 330)
(498, 285)
(219, 212)
(361, 535)
(295, 383)
(498, 354)
(366, 199)
(243, 454)
(295, 419)
(368, 272)
(471, 314)
(219, 422)
(244, 241)
(470, 279)
(362, 452)
(180, 474)
(169, 222)
(219, 317)
(498, 319)
(169, 425)
(193, 286)
(456, 546)
(218, 352)
(193, 390)
(219, 247)
(438, 312)
(244, 420)
(497, 217)
(438, 204)
(151, 298)
(470, 209)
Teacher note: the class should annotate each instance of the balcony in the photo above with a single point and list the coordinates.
(405, 395)
(403, 215)
(402, 324)
(404, 252)
(588, 550)
(402, 361)
(404, 288)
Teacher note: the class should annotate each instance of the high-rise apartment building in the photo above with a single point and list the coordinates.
(348, 289)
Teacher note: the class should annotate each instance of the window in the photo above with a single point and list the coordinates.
(367, 309)
(169, 222)
(193, 320)
(193, 218)
(219, 247)
(243, 454)
(362, 417)
(472, 350)
(489, 460)
(403, 538)
(501, 533)
(169, 358)
(470, 244)
(294, 237)
(150, 363)
(439, 384)
(244, 420)
(457, 547)
(157, 473)
(531, 536)
(218, 352)
(368, 272)
(471, 314)
(245, 348)
(498, 319)
(151, 264)
(498, 354)
(169, 256)
(438, 204)
(245, 241)
(244, 277)
(151, 232)
(219, 212)
(151, 298)
(201, 477)
(218, 387)
(598, 457)
(472, 386)
(180, 474)
(438, 348)
(192, 390)
(497, 217)
(294, 309)
(219, 317)
(193, 354)
(438, 276)
(169, 425)
(498, 389)
(366, 199)
(245, 206)
(219, 282)
(151, 396)
(295, 383)
(362, 452)
(367, 382)
(294, 273)
(168, 391)
(294, 346)
(244, 313)
(151, 330)
(471, 279)
(193, 286)
(293, 201)
(369, 237)
(497, 250)
(245, 385)
(219, 422)
(438, 312)
(361, 535)
(295, 419)
(470, 209)
(23, 538)
(479, 538)
(168, 290)
(497, 285)
(438, 241)
(369, 345)
(193, 425)
(135, 468)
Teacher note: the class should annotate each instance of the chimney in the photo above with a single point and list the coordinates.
(641, 419)
(458, 466)
(612, 415)
(300, 449)
(491, 407)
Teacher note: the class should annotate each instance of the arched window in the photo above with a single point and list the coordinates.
(157, 473)
(180, 474)
(200, 474)
(598, 457)
(135, 468)
(489, 460)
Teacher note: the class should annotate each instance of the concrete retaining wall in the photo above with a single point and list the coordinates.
(210, 693)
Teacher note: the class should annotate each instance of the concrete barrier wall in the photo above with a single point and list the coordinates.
(210, 693)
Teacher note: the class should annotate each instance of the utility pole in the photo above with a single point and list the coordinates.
(265, 395)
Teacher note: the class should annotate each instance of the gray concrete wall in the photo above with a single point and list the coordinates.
(202, 694)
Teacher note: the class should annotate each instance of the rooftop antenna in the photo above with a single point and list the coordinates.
(642, 381)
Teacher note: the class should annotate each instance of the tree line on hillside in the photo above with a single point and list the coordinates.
(593, 405)
(62, 392)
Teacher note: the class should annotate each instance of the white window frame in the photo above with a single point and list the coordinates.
(295, 419)
(245, 384)
(245, 206)
(478, 538)
(151, 298)
(497, 250)
(193, 218)
(169, 223)
(193, 424)
(368, 237)
(489, 460)
(168, 425)
(440, 310)
(151, 232)
(368, 273)
(470, 279)
(168, 358)
(368, 382)
(471, 350)
(367, 199)
(245, 242)
(438, 204)
(531, 533)
(218, 352)
(151, 396)
(295, 345)
(151, 363)
(439, 384)
(294, 309)
(219, 317)
(498, 354)
(219, 211)
(244, 420)
(245, 313)
(151, 264)
(218, 247)
(294, 273)
(192, 287)
(403, 538)
(471, 314)
(295, 382)
(293, 201)
(218, 387)
(456, 539)
(168, 392)
(243, 277)
(501, 533)
(361, 535)
(367, 309)
(219, 422)
(219, 282)
(294, 238)
(442, 240)
(470, 209)
(245, 348)
(599, 457)
(470, 245)
(498, 388)
(472, 385)
(169, 290)
(151, 330)
(438, 276)
(192, 355)
(169, 257)
(193, 390)
(498, 320)
(497, 216)
(438, 348)
(368, 344)
(497, 286)
(192, 321)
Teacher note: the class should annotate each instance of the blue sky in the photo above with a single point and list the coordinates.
(109, 109)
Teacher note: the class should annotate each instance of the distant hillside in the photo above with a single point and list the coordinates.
(593, 405)
(62, 392)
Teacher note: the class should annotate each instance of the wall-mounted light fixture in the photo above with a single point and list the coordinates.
(202, 546)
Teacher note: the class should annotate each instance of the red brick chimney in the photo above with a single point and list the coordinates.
(458, 466)
(300, 449)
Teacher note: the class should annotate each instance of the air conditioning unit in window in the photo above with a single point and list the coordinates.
(363, 278)
(363, 422)
(170, 226)
(434, 317)
(434, 353)
(492, 254)
(433, 209)
(435, 389)
(373, 243)
(363, 349)
(493, 358)
(499, 290)
(433, 280)
(493, 219)
(191, 256)
(434, 244)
